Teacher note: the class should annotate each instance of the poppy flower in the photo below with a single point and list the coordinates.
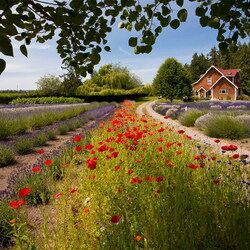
(119, 189)
(133, 180)
(144, 148)
(91, 164)
(73, 191)
(160, 140)
(16, 203)
(181, 131)
(149, 178)
(64, 164)
(160, 130)
(229, 148)
(86, 211)
(193, 166)
(138, 238)
(243, 157)
(169, 144)
(77, 138)
(158, 191)
(179, 144)
(102, 148)
(12, 221)
(23, 192)
(217, 141)
(117, 168)
(48, 162)
(88, 147)
(216, 181)
(114, 155)
(169, 165)
(165, 117)
(235, 156)
(57, 195)
(213, 158)
(160, 149)
(115, 219)
(159, 179)
(40, 151)
(178, 152)
(78, 148)
(130, 171)
(35, 169)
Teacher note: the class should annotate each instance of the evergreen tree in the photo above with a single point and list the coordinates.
(172, 80)
(198, 66)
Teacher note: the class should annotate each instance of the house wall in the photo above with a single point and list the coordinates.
(212, 73)
(223, 84)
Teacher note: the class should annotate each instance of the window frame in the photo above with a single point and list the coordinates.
(209, 81)
(221, 90)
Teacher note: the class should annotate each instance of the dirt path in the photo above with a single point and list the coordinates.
(195, 133)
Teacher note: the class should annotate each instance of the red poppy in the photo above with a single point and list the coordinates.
(86, 210)
(169, 165)
(78, 148)
(114, 155)
(235, 156)
(203, 156)
(23, 192)
(159, 179)
(115, 219)
(77, 138)
(35, 169)
(92, 152)
(181, 131)
(73, 191)
(197, 157)
(88, 147)
(160, 149)
(160, 130)
(216, 181)
(117, 168)
(64, 164)
(133, 180)
(243, 157)
(91, 164)
(16, 203)
(102, 148)
(119, 189)
(149, 178)
(169, 144)
(193, 166)
(179, 144)
(57, 195)
(202, 164)
(40, 151)
(158, 191)
(165, 117)
(48, 162)
(213, 158)
(144, 148)
(131, 171)
(217, 141)
(178, 152)
(229, 148)
(160, 140)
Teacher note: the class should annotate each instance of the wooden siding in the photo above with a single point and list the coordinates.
(223, 84)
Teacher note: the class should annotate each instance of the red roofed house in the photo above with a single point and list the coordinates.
(218, 83)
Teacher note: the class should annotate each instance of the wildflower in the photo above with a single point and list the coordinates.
(23, 192)
(119, 189)
(48, 162)
(16, 203)
(64, 164)
(159, 179)
(57, 195)
(117, 168)
(243, 157)
(115, 219)
(40, 151)
(229, 148)
(216, 140)
(181, 131)
(216, 181)
(77, 138)
(158, 191)
(165, 117)
(160, 149)
(73, 191)
(138, 238)
(91, 164)
(78, 148)
(88, 147)
(35, 169)
(178, 152)
(86, 211)
(160, 130)
(130, 171)
(213, 158)
(13, 221)
(235, 156)
(149, 178)
(193, 166)
(179, 144)
(102, 148)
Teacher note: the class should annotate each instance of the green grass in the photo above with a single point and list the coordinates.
(7, 156)
(188, 118)
(141, 100)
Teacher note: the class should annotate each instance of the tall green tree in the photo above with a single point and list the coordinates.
(49, 85)
(199, 63)
(172, 80)
(82, 26)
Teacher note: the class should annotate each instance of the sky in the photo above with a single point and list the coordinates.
(22, 73)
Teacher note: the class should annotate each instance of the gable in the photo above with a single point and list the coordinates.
(226, 80)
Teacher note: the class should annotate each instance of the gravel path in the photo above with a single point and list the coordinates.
(193, 132)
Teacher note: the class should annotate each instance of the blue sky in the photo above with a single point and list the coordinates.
(190, 37)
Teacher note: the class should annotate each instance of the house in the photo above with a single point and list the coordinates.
(217, 83)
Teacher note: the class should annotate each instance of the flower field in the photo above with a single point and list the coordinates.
(134, 183)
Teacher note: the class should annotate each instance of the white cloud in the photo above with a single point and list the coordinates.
(124, 51)
(33, 46)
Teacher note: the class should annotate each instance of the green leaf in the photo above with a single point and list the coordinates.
(121, 25)
(182, 15)
(23, 49)
(175, 24)
(200, 11)
(11, 30)
(112, 21)
(223, 46)
(107, 48)
(2, 65)
(137, 49)
(180, 2)
(132, 41)
(165, 21)
(6, 46)
(204, 21)
(165, 10)
(3, 4)
(148, 49)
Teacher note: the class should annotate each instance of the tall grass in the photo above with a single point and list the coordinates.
(188, 118)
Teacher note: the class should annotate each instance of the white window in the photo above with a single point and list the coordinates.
(223, 91)
(209, 81)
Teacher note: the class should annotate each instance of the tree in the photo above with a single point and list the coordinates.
(49, 85)
(172, 80)
(82, 26)
(199, 64)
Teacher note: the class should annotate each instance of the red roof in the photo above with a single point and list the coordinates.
(228, 72)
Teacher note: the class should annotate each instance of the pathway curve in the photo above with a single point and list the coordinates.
(193, 132)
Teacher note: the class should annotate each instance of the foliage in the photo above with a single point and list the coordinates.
(46, 100)
(7, 97)
(82, 26)
(49, 85)
(172, 80)
(24, 146)
(188, 118)
(7, 156)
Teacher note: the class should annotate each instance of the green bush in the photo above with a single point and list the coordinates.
(24, 146)
(224, 127)
(7, 156)
(40, 139)
(51, 134)
(188, 118)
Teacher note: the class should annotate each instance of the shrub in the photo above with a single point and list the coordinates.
(40, 139)
(224, 127)
(6, 156)
(24, 146)
(51, 134)
(63, 130)
(188, 118)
